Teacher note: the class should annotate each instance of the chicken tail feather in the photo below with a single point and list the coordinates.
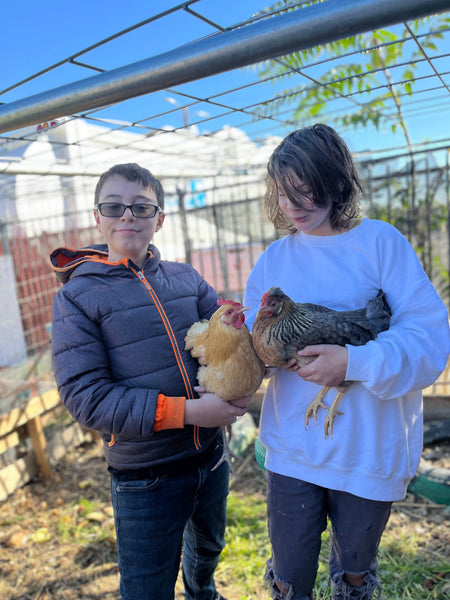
(378, 312)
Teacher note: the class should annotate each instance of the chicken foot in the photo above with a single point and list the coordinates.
(226, 453)
(332, 410)
(331, 414)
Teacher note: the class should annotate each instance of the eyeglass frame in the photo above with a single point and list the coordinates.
(157, 208)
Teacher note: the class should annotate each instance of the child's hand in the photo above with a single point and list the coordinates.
(330, 366)
(291, 365)
(211, 411)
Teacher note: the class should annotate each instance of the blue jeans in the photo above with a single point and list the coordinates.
(297, 516)
(154, 514)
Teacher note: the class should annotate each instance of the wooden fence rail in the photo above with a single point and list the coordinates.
(27, 422)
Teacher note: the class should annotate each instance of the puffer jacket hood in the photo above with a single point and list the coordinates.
(63, 260)
(66, 262)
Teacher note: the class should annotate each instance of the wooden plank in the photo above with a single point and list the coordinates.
(20, 472)
(9, 441)
(63, 441)
(56, 414)
(436, 407)
(39, 443)
(17, 475)
(36, 406)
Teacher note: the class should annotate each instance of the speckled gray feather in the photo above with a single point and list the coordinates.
(307, 324)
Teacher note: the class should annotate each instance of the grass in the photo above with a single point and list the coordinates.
(57, 541)
(413, 556)
(243, 560)
(411, 571)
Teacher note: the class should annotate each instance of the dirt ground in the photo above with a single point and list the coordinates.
(57, 536)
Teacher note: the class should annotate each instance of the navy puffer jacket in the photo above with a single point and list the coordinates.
(113, 353)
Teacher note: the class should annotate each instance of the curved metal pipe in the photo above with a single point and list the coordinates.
(298, 30)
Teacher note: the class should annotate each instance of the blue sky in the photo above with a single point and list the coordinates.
(39, 33)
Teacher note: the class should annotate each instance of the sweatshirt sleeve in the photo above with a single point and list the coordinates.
(414, 351)
(84, 380)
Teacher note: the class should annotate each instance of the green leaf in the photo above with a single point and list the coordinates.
(367, 67)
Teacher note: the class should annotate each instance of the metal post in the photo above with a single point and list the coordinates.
(181, 193)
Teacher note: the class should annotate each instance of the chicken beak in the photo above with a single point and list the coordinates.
(243, 309)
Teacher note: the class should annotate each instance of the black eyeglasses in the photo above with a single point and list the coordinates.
(140, 211)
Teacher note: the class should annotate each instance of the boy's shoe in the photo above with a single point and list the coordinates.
(219, 597)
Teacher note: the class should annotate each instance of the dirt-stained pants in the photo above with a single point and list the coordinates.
(297, 516)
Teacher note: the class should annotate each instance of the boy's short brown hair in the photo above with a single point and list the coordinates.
(132, 172)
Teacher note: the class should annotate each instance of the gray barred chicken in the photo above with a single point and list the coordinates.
(283, 327)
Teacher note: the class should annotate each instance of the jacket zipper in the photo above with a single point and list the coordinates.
(174, 343)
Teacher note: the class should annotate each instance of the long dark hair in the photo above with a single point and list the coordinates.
(318, 158)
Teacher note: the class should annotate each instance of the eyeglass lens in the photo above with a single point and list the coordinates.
(115, 209)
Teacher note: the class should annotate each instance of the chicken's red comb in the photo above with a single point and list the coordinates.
(222, 301)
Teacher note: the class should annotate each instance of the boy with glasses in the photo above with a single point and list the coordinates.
(119, 324)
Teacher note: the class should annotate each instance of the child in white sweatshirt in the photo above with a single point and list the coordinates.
(331, 256)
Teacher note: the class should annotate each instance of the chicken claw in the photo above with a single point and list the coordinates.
(332, 410)
(312, 409)
(331, 414)
(226, 453)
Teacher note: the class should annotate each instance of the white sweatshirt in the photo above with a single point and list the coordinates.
(377, 441)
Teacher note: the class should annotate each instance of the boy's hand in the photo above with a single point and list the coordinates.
(211, 411)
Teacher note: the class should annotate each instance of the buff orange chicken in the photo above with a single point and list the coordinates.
(229, 365)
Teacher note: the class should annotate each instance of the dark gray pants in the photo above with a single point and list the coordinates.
(297, 516)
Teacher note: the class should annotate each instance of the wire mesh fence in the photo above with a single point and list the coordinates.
(388, 85)
(221, 230)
